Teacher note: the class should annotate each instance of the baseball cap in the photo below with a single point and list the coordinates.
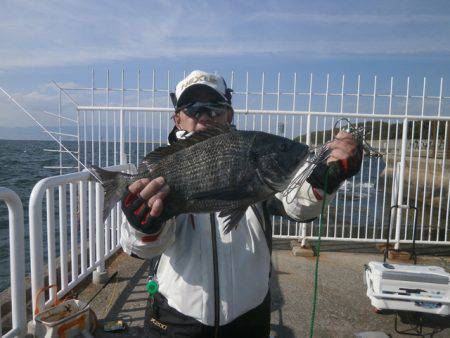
(199, 79)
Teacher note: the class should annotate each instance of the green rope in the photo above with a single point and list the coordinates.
(316, 272)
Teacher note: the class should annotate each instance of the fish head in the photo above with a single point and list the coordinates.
(278, 159)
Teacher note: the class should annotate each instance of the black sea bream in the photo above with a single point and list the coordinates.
(217, 170)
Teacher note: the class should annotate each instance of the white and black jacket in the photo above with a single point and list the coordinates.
(186, 268)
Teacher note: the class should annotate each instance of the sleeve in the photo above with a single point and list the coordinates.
(142, 245)
(303, 204)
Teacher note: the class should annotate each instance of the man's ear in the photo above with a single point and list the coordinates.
(176, 119)
(230, 115)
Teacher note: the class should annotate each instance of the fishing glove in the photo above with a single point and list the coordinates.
(338, 172)
(137, 212)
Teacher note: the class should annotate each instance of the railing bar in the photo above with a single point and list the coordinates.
(160, 129)
(100, 138)
(85, 136)
(99, 228)
(444, 156)
(362, 164)
(59, 131)
(344, 209)
(83, 223)
(115, 136)
(370, 158)
(378, 180)
(51, 248)
(411, 144)
(60, 151)
(63, 234)
(280, 112)
(137, 116)
(336, 199)
(62, 134)
(323, 141)
(92, 117)
(73, 230)
(420, 147)
(58, 167)
(114, 226)
(262, 100)
(60, 117)
(145, 132)
(447, 214)
(425, 180)
(410, 158)
(435, 159)
(113, 89)
(91, 210)
(107, 118)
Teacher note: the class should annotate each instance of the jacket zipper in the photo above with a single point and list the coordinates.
(216, 274)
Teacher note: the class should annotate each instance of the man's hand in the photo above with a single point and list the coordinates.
(343, 147)
(144, 202)
(343, 163)
(153, 192)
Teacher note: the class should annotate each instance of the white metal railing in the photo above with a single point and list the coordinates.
(408, 118)
(17, 263)
(84, 240)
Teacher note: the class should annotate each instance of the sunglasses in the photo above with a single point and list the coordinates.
(196, 109)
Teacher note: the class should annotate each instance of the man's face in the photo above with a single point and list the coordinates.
(185, 122)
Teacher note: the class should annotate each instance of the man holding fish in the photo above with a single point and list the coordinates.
(210, 221)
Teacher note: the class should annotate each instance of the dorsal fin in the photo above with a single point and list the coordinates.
(213, 129)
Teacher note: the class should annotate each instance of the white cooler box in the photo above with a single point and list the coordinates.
(405, 287)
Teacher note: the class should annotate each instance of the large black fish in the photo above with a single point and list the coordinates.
(217, 170)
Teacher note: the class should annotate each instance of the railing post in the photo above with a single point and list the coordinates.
(308, 142)
(100, 275)
(36, 244)
(401, 180)
(17, 255)
(123, 155)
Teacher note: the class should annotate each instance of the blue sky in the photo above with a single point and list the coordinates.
(47, 40)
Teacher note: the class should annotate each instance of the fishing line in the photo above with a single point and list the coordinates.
(50, 134)
(359, 133)
(316, 270)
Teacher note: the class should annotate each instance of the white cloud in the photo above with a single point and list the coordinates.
(349, 19)
(54, 33)
(43, 98)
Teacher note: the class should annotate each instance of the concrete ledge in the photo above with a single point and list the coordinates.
(401, 256)
(302, 251)
(99, 277)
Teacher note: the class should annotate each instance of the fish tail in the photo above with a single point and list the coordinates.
(114, 183)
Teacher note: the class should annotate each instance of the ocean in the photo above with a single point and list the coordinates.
(22, 166)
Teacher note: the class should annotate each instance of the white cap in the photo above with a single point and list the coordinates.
(197, 79)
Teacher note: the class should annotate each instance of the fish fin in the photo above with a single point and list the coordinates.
(114, 184)
(232, 217)
(212, 129)
(146, 166)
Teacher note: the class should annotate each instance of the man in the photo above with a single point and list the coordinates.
(213, 284)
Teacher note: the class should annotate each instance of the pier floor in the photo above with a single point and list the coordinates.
(342, 306)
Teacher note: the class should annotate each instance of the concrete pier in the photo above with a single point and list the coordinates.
(342, 306)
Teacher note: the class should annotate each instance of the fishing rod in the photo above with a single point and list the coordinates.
(50, 134)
